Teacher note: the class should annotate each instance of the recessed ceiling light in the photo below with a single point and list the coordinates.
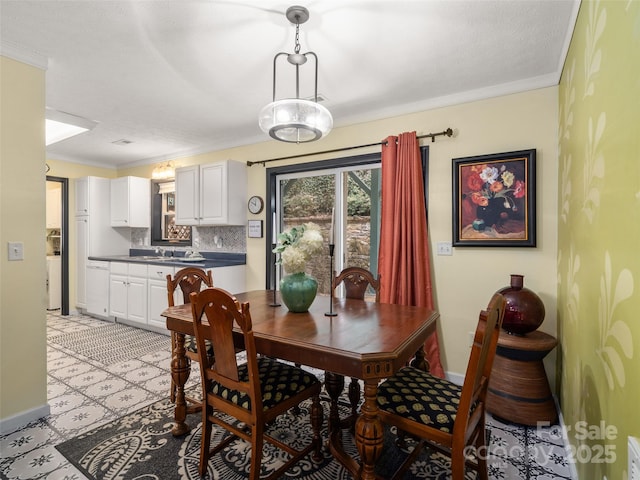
(60, 126)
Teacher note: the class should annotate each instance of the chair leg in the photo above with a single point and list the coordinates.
(457, 465)
(257, 441)
(205, 443)
(482, 452)
(172, 394)
(316, 425)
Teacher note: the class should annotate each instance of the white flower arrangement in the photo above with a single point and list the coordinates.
(297, 245)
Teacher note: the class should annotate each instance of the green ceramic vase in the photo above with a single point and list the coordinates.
(298, 290)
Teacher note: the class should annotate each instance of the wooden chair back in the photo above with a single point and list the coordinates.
(189, 279)
(467, 425)
(356, 281)
(471, 409)
(214, 312)
(236, 389)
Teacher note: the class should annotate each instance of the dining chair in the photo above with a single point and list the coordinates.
(188, 280)
(254, 392)
(447, 417)
(356, 282)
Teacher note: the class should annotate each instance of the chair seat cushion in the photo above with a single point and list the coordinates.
(416, 395)
(278, 382)
(190, 345)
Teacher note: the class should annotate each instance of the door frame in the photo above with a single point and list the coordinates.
(64, 241)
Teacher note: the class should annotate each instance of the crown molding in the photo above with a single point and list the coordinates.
(21, 54)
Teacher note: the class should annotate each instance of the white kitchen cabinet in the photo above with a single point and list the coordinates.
(54, 207)
(94, 235)
(136, 293)
(158, 301)
(82, 196)
(131, 202)
(82, 241)
(212, 194)
(97, 290)
(188, 195)
(128, 292)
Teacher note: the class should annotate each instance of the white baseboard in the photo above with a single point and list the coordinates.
(457, 378)
(11, 424)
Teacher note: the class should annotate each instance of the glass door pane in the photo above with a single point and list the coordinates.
(354, 192)
(362, 219)
(304, 199)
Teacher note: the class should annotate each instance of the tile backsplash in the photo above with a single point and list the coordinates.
(205, 239)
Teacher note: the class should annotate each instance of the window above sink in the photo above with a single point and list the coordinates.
(164, 231)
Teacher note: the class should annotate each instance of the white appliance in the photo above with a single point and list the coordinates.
(54, 282)
(94, 235)
(97, 280)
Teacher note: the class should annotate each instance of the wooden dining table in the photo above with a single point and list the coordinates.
(365, 340)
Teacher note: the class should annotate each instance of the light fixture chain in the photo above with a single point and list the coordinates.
(297, 47)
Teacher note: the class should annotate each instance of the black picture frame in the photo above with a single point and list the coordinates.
(494, 200)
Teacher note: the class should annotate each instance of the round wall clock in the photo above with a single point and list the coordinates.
(256, 204)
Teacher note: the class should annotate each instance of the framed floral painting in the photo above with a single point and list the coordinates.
(494, 200)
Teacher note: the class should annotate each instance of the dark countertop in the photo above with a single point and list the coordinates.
(210, 259)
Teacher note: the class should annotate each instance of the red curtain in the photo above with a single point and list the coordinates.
(403, 263)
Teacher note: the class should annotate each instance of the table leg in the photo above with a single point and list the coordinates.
(369, 431)
(420, 361)
(180, 370)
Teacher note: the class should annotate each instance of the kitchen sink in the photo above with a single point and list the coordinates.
(154, 258)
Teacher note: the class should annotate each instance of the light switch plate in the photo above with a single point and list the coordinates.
(444, 248)
(16, 251)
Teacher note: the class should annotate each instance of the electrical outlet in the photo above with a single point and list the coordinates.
(16, 251)
(634, 458)
(444, 248)
(471, 335)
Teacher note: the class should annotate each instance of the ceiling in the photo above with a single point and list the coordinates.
(179, 77)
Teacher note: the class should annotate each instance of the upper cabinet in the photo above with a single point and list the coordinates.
(212, 194)
(131, 202)
(82, 196)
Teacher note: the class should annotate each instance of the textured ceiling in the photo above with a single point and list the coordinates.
(184, 76)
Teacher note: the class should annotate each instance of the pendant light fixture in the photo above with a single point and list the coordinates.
(295, 120)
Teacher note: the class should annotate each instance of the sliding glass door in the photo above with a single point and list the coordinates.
(352, 193)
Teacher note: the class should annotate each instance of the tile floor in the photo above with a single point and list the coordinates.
(84, 393)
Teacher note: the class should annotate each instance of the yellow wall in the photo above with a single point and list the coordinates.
(599, 235)
(23, 367)
(465, 281)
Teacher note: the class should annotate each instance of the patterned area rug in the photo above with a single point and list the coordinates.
(140, 445)
(112, 343)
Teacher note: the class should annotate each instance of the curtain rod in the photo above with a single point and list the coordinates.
(448, 132)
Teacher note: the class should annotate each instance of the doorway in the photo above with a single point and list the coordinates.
(58, 238)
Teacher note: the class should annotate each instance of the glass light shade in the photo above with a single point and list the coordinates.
(295, 121)
(163, 172)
